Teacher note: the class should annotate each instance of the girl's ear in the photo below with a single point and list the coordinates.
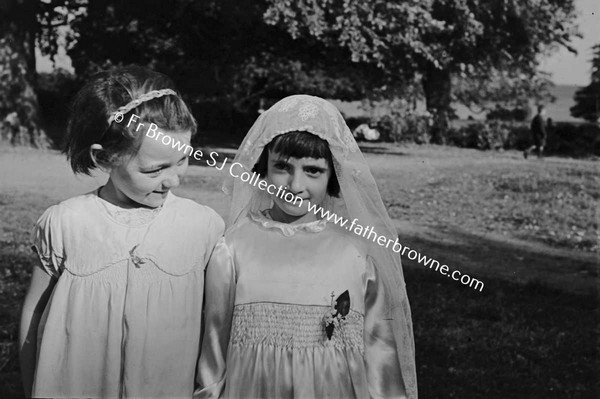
(96, 151)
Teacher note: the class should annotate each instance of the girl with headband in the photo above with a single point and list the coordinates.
(114, 306)
(299, 303)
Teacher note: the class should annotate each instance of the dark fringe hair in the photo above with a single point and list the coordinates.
(299, 145)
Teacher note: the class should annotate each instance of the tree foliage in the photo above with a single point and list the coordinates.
(500, 89)
(439, 39)
(587, 99)
(216, 50)
(335, 38)
(237, 52)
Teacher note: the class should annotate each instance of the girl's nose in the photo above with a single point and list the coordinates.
(172, 181)
(297, 183)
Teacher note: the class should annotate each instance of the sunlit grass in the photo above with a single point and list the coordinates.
(551, 203)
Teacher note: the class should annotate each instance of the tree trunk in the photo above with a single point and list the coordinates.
(19, 109)
(437, 86)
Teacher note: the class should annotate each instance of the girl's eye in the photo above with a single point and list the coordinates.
(154, 172)
(313, 171)
(281, 166)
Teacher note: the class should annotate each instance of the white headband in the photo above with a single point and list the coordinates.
(143, 98)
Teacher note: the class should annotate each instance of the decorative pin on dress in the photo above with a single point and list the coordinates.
(337, 314)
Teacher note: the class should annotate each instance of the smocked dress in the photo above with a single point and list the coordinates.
(269, 287)
(124, 318)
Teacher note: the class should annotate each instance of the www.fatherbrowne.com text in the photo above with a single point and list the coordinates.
(236, 170)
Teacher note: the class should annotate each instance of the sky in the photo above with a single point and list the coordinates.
(570, 69)
(566, 68)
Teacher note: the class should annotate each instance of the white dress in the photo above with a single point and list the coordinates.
(269, 286)
(124, 318)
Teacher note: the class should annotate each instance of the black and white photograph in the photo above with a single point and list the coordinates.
(299, 199)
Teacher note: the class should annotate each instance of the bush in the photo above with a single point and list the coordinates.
(564, 138)
(355, 121)
(506, 114)
(388, 128)
(574, 139)
(417, 128)
(409, 127)
(482, 136)
(519, 136)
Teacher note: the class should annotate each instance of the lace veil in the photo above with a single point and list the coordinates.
(359, 199)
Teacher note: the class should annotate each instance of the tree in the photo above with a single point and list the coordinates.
(587, 99)
(490, 37)
(222, 54)
(235, 53)
(215, 49)
(436, 39)
(501, 91)
(18, 101)
(25, 25)
(230, 53)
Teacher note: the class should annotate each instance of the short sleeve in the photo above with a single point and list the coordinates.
(47, 242)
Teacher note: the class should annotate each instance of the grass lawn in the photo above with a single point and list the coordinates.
(527, 229)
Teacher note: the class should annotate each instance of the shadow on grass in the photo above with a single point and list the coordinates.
(508, 341)
(497, 257)
(531, 332)
(15, 274)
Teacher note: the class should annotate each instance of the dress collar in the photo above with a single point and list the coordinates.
(134, 217)
(288, 229)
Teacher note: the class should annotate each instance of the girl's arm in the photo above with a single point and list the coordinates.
(36, 299)
(219, 291)
(384, 374)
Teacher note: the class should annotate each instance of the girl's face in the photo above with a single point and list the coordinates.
(306, 178)
(144, 179)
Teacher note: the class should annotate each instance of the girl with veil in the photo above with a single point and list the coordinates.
(299, 303)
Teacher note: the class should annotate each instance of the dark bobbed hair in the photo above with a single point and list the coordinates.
(103, 95)
(299, 145)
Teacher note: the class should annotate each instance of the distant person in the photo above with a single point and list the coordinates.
(538, 133)
(115, 302)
